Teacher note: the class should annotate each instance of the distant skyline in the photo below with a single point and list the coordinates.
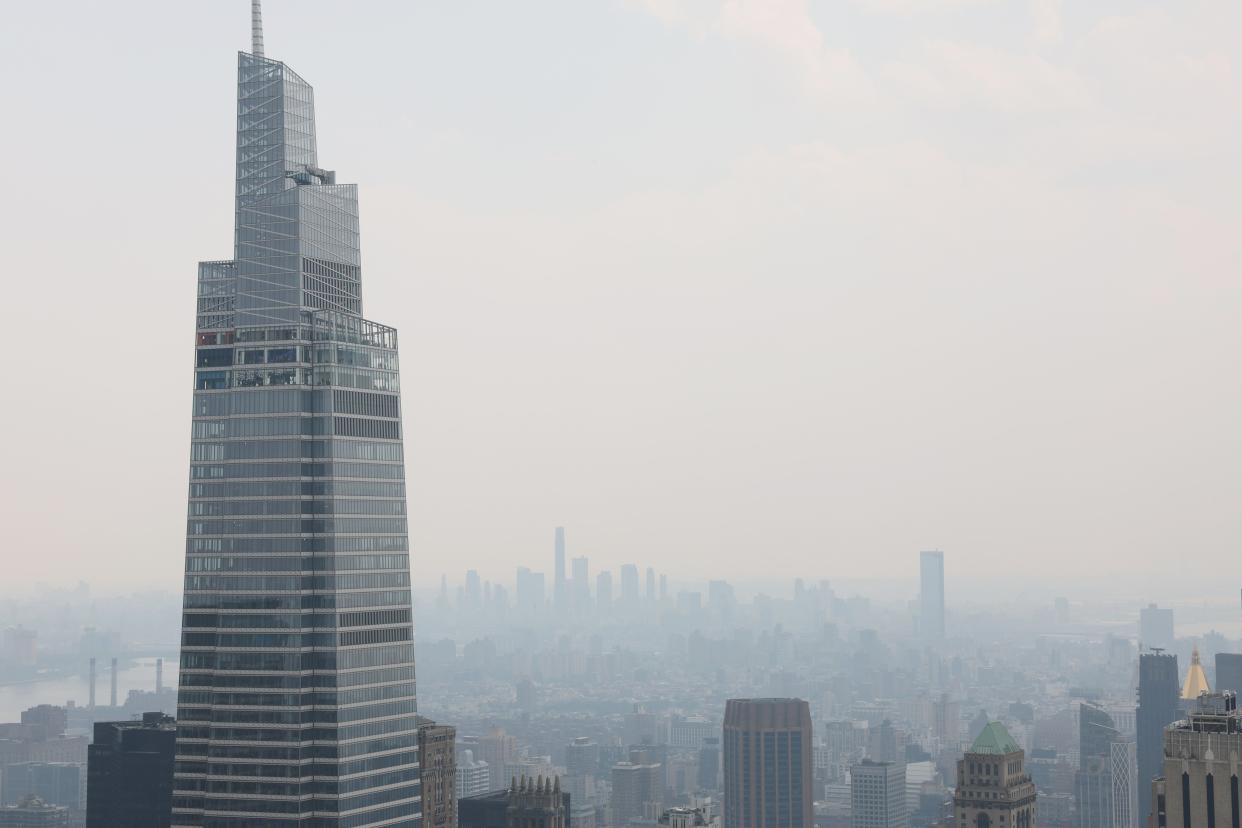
(736, 289)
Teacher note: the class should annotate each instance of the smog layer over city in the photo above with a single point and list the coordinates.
(763, 414)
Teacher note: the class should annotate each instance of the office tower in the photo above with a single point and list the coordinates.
(603, 591)
(1125, 785)
(882, 743)
(767, 764)
(1198, 786)
(878, 795)
(524, 803)
(993, 787)
(1159, 693)
(931, 595)
(1229, 672)
(113, 675)
(497, 748)
(437, 764)
(473, 777)
(580, 584)
(1093, 781)
(91, 687)
(629, 584)
(530, 591)
(559, 587)
(45, 721)
(159, 675)
(651, 585)
(297, 584)
(582, 768)
(33, 812)
(1196, 680)
(474, 590)
(637, 787)
(1155, 628)
(709, 764)
(663, 587)
(129, 775)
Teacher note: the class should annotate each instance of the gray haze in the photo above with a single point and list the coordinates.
(757, 289)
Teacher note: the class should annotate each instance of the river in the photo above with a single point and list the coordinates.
(14, 698)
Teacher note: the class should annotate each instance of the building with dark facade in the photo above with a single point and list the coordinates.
(1229, 672)
(527, 803)
(297, 637)
(767, 764)
(130, 773)
(438, 766)
(1158, 699)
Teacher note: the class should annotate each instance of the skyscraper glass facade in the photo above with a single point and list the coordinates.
(297, 696)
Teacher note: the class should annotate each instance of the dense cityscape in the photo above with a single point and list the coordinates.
(279, 689)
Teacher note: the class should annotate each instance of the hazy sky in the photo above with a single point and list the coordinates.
(732, 287)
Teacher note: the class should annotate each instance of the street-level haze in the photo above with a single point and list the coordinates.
(741, 287)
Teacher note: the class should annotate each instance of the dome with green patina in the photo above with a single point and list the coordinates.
(994, 739)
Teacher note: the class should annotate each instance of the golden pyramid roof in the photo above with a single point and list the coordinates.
(1196, 680)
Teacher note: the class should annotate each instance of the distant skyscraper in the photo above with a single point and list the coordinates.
(878, 795)
(637, 787)
(437, 773)
(767, 764)
(931, 595)
(993, 788)
(1229, 672)
(580, 584)
(1155, 627)
(1157, 708)
(560, 589)
(629, 584)
(651, 585)
(130, 773)
(297, 641)
(603, 591)
(530, 591)
(1198, 785)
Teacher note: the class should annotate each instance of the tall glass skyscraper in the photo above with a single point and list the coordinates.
(297, 695)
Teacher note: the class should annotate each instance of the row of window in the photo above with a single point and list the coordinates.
(308, 601)
(341, 563)
(294, 448)
(309, 698)
(297, 488)
(230, 508)
(378, 635)
(274, 583)
(338, 469)
(276, 546)
(305, 526)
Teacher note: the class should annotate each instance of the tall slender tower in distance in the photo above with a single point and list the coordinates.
(296, 700)
(560, 587)
(931, 595)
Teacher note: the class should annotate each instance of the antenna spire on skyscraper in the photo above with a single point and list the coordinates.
(256, 27)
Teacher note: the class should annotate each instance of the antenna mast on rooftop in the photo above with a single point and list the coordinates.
(256, 28)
